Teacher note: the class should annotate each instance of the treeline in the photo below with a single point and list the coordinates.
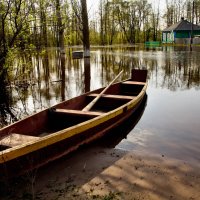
(44, 23)
(126, 22)
(175, 9)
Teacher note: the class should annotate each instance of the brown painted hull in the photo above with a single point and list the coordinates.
(66, 131)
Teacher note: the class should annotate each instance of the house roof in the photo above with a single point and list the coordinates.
(182, 25)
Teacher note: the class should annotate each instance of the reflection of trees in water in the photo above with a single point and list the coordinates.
(112, 64)
(114, 61)
(39, 80)
(30, 86)
(172, 69)
(181, 72)
(7, 113)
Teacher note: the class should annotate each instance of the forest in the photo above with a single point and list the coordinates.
(42, 23)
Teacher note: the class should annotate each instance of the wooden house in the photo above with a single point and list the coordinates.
(181, 33)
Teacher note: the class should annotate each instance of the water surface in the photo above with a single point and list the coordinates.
(170, 122)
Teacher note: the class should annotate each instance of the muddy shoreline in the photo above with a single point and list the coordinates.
(99, 172)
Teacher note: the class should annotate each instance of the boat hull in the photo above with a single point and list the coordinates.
(54, 151)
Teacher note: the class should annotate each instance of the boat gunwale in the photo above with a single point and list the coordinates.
(42, 142)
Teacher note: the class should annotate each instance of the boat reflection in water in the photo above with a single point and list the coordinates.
(116, 135)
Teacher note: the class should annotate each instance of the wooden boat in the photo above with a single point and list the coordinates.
(54, 132)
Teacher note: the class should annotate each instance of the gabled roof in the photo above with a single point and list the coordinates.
(183, 25)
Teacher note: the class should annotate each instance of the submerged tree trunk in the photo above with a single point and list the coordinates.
(87, 74)
(85, 30)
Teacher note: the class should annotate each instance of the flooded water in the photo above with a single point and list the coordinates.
(170, 122)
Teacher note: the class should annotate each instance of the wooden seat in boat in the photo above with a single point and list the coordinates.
(15, 139)
(78, 112)
(110, 96)
(133, 83)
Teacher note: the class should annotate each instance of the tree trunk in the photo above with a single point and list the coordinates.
(60, 27)
(101, 24)
(86, 41)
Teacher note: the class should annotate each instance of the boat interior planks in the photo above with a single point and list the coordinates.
(131, 88)
(110, 96)
(133, 82)
(78, 112)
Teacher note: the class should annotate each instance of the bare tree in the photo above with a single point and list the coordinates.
(60, 26)
(81, 14)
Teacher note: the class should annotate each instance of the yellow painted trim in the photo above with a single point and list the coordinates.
(42, 142)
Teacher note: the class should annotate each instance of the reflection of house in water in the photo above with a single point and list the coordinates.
(181, 32)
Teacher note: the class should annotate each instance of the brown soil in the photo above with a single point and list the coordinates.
(103, 173)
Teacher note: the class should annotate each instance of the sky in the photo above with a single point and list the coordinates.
(93, 5)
